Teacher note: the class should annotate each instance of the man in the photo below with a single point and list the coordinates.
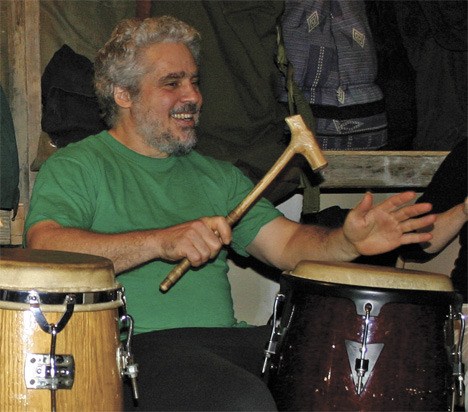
(138, 195)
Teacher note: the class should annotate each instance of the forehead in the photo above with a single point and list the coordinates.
(163, 58)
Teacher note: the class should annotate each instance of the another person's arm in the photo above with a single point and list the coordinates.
(447, 193)
(446, 227)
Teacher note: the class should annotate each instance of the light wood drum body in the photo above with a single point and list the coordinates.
(359, 337)
(79, 294)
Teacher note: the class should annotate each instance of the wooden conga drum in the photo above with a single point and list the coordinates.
(71, 362)
(360, 337)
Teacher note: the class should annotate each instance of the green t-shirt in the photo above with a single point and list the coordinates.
(100, 185)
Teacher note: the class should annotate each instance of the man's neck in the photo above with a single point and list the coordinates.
(132, 140)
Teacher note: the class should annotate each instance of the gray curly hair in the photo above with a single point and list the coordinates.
(118, 63)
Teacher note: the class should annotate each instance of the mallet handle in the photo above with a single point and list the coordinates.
(303, 142)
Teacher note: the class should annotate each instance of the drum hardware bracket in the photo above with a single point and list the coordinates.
(39, 371)
(34, 304)
(361, 305)
(276, 331)
(458, 366)
(362, 366)
(127, 365)
(55, 371)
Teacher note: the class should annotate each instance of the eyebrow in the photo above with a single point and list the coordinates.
(177, 76)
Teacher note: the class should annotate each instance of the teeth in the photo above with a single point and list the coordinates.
(182, 116)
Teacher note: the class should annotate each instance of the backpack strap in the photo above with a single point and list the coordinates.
(296, 101)
(298, 105)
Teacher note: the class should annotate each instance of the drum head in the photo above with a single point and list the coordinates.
(54, 271)
(369, 276)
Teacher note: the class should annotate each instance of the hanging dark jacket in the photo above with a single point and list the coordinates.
(9, 164)
(70, 111)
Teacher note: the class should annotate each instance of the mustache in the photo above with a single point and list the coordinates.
(191, 108)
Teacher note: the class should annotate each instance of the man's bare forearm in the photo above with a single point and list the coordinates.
(198, 240)
(126, 250)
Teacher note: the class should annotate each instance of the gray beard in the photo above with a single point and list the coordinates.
(164, 141)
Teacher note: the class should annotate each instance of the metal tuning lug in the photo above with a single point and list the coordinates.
(362, 356)
(128, 366)
(458, 368)
(50, 371)
(276, 333)
(362, 364)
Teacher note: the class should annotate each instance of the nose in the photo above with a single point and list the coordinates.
(191, 93)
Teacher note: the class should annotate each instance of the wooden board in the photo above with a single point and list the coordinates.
(24, 80)
(380, 169)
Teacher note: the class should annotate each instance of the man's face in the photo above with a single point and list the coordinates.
(167, 108)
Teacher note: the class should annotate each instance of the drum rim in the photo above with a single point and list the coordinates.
(302, 289)
(58, 298)
(382, 296)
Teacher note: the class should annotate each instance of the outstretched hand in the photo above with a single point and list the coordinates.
(392, 223)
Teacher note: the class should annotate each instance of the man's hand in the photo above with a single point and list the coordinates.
(379, 229)
(198, 240)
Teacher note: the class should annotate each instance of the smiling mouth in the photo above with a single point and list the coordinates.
(183, 116)
(188, 111)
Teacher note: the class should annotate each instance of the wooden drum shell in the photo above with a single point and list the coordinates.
(91, 336)
(311, 369)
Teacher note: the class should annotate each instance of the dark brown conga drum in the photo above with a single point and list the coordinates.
(359, 337)
(59, 332)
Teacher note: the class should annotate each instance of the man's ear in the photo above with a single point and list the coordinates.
(122, 97)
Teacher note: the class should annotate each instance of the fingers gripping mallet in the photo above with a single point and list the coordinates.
(302, 142)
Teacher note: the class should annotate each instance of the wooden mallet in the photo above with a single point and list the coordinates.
(302, 142)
